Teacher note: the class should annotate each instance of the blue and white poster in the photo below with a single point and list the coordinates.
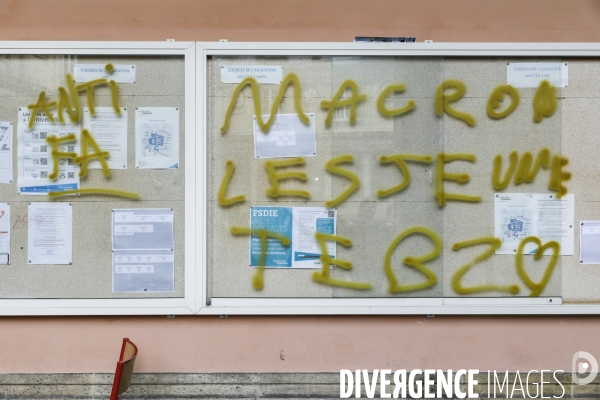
(35, 160)
(299, 225)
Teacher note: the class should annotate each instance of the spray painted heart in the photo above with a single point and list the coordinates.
(537, 288)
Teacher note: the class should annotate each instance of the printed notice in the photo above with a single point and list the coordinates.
(156, 137)
(262, 73)
(143, 271)
(123, 73)
(143, 252)
(142, 229)
(518, 215)
(50, 233)
(6, 158)
(35, 163)
(299, 224)
(530, 75)
(288, 137)
(4, 233)
(589, 242)
(110, 133)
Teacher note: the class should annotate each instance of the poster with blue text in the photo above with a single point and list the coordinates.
(298, 225)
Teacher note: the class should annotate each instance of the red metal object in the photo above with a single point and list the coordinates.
(124, 370)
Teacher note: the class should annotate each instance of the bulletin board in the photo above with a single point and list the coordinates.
(161, 77)
(396, 169)
(424, 153)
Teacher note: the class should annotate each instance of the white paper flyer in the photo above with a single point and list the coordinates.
(6, 152)
(109, 130)
(288, 137)
(156, 137)
(50, 233)
(143, 250)
(518, 215)
(4, 233)
(589, 242)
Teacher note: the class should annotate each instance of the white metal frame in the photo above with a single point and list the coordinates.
(164, 306)
(279, 306)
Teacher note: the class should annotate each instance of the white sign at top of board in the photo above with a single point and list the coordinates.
(262, 73)
(123, 73)
(529, 75)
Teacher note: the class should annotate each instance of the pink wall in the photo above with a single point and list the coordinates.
(302, 20)
(254, 344)
(246, 344)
